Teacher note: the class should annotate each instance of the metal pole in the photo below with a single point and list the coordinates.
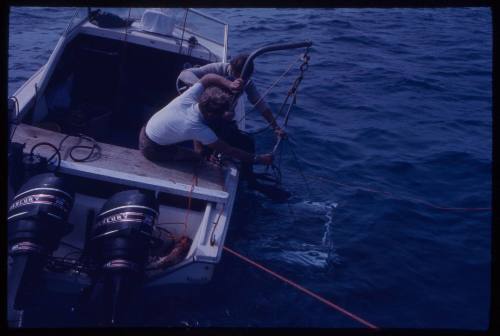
(183, 30)
(272, 47)
(265, 49)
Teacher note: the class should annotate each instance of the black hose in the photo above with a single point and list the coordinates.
(57, 152)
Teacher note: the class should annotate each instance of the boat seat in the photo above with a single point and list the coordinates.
(129, 167)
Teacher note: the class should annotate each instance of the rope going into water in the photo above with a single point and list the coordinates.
(389, 194)
(385, 193)
(299, 167)
(303, 289)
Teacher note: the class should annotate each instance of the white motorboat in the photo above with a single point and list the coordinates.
(88, 213)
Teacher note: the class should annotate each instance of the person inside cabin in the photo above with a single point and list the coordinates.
(231, 71)
(169, 133)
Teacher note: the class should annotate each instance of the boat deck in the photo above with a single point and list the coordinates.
(128, 166)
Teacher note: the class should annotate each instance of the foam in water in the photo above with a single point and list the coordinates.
(314, 255)
(306, 258)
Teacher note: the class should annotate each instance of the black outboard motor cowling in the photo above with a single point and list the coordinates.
(120, 243)
(37, 220)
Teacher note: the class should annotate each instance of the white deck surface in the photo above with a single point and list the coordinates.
(128, 166)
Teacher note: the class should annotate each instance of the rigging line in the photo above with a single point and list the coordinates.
(120, 85)
(299, 167)
(293, 103)
(183, 30)
(303, 289)
(280, 158)
(127, 25)
(284, 125)
(269, 88)
(291, 92)
(386, 193)
(268, 126)
(279, 167)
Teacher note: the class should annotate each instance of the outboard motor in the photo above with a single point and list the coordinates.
(37, 220)
(120, 243)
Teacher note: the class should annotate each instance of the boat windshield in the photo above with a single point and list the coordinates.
(182, 23)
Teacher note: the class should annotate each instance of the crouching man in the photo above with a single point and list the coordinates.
(169, 134)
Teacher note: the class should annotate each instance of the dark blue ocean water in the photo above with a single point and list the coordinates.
(395, 100)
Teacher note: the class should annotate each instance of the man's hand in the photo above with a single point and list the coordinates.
(265, 159)
(280, 133)
(222, 147)
(237, 85)
(215, 159)
(214, 79)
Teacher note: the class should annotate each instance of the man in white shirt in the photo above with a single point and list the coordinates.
(231, 71)
(187, 118)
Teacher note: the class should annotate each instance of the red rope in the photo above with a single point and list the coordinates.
(190, 197)
(402, 198)
(305, 290)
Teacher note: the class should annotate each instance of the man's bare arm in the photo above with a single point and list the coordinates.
(192, 75)
(216, 80)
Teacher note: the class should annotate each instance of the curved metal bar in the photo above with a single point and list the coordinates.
(268, 48)
(262, 50)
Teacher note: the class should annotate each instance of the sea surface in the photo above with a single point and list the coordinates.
(392, 133)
